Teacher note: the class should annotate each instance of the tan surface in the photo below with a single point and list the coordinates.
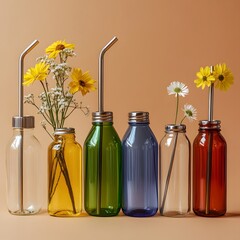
(159, 41)
(88, 228)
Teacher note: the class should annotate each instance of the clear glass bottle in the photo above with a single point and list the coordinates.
(140, 167)
(64, 174)
(102, 155)
(175, 171)
(209, 170)
(24, 169)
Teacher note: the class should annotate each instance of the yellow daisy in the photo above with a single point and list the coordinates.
(57, 47)
(39, 72)
(205, 78)
(224, 77)
(82, 82)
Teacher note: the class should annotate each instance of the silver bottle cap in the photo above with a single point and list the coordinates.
(61, 131)
(175, 128)
(23, 122)
(206, 124)
(138, 117)
(102, 117)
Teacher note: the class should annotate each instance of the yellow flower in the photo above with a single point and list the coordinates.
(57, 47)
(223, 76)
(81, 82)
(205, 78)
(39, 72)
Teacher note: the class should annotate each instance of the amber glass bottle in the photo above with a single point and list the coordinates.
(209, 170)
(64, 174)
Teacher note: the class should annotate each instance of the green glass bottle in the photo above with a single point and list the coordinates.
(103, 157)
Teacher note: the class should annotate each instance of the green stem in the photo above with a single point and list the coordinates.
(182, 120)
(50, 107)
(53, 176)
(67, 178)
(65, 112)
(59, 159)
(44, 127)
(70, 112)
(47, 85)
(57, 121)
(47, 118)
(176, 109)
(62, 120)
(53, 189)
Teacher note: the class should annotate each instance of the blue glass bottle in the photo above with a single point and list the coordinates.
(140, 168)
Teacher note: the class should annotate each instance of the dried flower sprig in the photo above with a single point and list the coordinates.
(58, 103)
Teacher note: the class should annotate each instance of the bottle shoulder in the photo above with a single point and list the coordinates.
(203, 137)
(169, 137)
(106, 134)
(139, 135)
(28, 139)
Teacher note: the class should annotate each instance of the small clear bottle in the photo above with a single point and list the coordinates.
(24, 169)
(64, 174)
(140, 167)
(103, 167)
(209, 170)
(175, 172)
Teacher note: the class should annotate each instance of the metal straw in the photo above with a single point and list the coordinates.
(169, 174)
(211, 98)
(210, 142)
(20, 76)
(20, 115)
(101, 110)
(101, 74)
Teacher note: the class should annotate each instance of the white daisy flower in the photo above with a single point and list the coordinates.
(190, 112)
(177, 88)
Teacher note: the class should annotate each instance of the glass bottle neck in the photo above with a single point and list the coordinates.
(107, 124)
(139, 124)
(210, 125)
(25, 131)
(66, 137)
(175, 128)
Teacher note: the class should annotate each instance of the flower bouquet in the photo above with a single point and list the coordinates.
(57, 103)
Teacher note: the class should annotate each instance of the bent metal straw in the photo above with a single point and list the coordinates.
(20, 121)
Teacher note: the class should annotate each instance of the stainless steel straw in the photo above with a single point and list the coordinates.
(211, 98)
(21, 118)
(101, 74)
(102, 115)
(210, 140)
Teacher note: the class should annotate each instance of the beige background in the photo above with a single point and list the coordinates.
(159, 41)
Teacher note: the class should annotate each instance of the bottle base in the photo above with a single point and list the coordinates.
(140, 212)
(211, 213)
(103, 212)
(174, 214)
(64, 213)
(24, 212)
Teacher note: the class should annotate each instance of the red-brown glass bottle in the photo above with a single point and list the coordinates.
(209, 170)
